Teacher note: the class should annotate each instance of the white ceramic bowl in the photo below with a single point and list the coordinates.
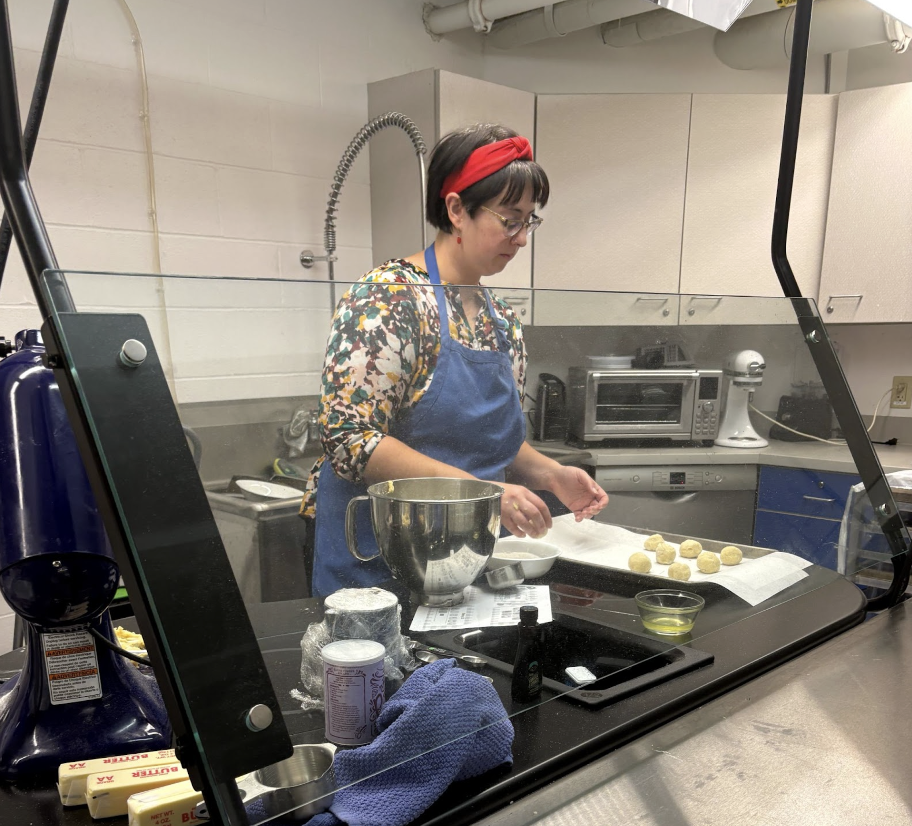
(258, 491)
(505, 549)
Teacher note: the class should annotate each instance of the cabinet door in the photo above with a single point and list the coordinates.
(732, 176)
(808, 492)
(569, 308)
(867, 261)
(463, 101)
(617, 166)
(736, 309)
(812, 539)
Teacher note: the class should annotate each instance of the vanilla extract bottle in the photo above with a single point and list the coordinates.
(527, 667)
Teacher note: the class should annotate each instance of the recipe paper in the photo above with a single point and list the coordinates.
(609, 546)
(483, 608)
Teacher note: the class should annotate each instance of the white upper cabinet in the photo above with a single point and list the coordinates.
(617, 166)
(867, 262)
(732, 177)
(438, 102)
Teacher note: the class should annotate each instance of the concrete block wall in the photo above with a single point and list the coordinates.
(252, 103)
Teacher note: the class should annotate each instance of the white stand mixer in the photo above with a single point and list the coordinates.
(744, 373)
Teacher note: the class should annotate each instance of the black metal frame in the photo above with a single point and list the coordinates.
(30, 137)
(36, 110)
(162, 534)
(818, 342)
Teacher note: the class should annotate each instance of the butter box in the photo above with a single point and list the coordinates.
(166, 806)
(106, 794)
(71, 777)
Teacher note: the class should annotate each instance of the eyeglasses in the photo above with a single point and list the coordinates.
(512, 226)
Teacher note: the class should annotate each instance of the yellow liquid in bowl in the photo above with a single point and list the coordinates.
(668, 624)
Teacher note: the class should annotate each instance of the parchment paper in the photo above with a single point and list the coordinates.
(609, 546)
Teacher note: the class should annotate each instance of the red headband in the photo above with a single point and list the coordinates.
(486, 160)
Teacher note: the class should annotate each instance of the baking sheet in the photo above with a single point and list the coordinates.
(755, 579)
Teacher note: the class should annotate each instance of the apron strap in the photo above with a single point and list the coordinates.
(500, 324)
(430, 258)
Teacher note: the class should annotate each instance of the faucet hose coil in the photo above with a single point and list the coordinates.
(350, 155)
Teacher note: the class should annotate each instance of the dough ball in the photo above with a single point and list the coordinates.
(665, 553)
(731, 555)
(708, 562)
(640, 563)
(653, 542)
(679, 570)
(691, 548)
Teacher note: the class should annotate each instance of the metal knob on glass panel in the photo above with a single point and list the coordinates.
(259, 717)
(132, 353)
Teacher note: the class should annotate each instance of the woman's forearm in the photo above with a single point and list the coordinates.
(393, 459)
(532, 469)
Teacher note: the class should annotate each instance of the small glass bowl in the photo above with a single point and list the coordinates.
(668, 612)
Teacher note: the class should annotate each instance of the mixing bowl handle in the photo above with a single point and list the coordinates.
(351, 534)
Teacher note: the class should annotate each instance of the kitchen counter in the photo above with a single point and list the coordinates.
(810, 455)
(819, 740)
(557, 735)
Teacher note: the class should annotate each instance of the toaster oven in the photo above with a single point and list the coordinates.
(629, 404)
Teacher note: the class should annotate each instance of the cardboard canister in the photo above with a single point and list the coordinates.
(353, 690)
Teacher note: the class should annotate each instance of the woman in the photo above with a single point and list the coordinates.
(428, 381)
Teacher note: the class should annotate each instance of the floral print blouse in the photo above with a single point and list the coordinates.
(380, 360)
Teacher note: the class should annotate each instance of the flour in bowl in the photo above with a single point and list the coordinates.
(515, 555)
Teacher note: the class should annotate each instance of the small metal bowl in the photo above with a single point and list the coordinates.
(295, 789)
(506, 576)
(668, 612)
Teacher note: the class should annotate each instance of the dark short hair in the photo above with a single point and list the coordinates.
(450, 155)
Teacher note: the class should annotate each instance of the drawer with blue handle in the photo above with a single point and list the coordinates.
(807, 492)
(812, 539)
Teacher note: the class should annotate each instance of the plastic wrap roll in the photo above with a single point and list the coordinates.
(354, 614)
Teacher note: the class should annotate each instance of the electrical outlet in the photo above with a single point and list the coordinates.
(901, 397)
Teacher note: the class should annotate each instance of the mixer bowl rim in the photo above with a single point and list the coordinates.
(377, 491)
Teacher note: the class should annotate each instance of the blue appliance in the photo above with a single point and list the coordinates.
(75, 698)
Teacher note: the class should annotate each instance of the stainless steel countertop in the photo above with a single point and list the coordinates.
(821, 740)
(812, 455)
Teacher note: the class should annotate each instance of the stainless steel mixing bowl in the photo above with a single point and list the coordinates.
(436, 534)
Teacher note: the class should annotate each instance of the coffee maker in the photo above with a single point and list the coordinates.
(550, 419)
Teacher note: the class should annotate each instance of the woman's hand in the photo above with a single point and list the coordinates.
(578, 491)
(523, 513)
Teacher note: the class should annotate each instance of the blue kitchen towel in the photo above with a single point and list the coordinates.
(444, 724)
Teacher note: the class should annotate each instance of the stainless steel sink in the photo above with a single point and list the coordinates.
(265, 543)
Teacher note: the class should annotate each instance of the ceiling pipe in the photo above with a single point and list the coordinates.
(561, 19)
(575, 15)
(474, 14)
(765, 41)
(644, 28)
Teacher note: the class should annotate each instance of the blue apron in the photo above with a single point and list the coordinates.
(470, 417)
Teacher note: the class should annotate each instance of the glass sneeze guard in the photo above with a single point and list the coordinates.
(231, 348)
(178, 571)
